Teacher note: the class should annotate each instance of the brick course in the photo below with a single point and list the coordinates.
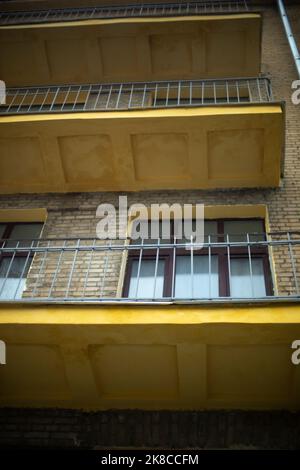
(75, 214)
(52, 428)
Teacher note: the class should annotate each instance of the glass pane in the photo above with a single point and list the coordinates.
(237, 230)
(150, 230)
(25, 231)
(146, 283)
(210, 228)
(2, 229)
(200, 285)
(241, 279)
(10, 284)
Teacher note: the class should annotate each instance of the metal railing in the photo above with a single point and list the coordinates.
(124, 11)
(116, 96)
(254, 267)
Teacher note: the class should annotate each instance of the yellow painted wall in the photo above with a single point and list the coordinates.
(150, 357)
(131, 49)
(185, 148)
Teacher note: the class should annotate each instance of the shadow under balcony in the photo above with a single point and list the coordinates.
(73, 341)
(201, 134)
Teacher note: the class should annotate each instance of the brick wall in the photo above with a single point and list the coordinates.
(75, 214)
(54, 429)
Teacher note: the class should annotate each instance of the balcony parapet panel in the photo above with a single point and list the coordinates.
(134, 48)
(141, 136)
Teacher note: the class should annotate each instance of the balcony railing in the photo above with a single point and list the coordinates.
(124, 11)
(257, 268)
(139, 95)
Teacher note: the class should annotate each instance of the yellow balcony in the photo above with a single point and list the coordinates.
(77, 337)
(158, 357)
(141, 136)
(144, 48)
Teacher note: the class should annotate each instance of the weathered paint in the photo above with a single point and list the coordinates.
(150, 357)
(184, 148)
(146, 49)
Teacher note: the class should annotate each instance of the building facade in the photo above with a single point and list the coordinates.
(182, 103)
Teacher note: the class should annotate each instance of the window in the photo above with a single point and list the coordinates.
(230, 269)
(14, 264)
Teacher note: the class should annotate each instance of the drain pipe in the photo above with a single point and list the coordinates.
(289, 34)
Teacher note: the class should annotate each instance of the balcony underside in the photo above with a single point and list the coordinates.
(131, 49)
(195, 148)
(162, 357)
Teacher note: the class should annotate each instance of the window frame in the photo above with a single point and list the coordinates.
(167, 254)
(15, 253)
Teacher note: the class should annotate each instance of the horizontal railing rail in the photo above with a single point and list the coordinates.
(124, 11)
(138, 95)
(247, 267)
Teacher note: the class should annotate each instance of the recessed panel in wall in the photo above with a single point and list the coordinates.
(235, 153)
(86, 158)
(21, 161)
(135, 371)
(33, 371)
(166, 154)
(67, 59)
(257, 371)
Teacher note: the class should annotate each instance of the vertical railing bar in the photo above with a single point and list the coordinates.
(108, 253)
(258, 88)
(249, 91)
(250, 264)
(57, 269)
(237, 91)
(156, 266)
(178, 93)
(191, 92)
(109, 96)
(66, 97)
(88, 268)
(192, 266)
(227, 91)
(41, 269)
(130, 96)
(44, 100)
(144, 95)
(87, 98)
(173, 268)
(270, 89)
(291, 252)
(22, 101)
(23, 270)
(229, 264)
(76, 97)
(33, 99)
(155, 95)
(54, 98)
(209, 266)
(267, 89)
(72, 268)
(9, 268)
(13, 100)
(139, 269)
(98, 97)
(119, 96)
(167, 95)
